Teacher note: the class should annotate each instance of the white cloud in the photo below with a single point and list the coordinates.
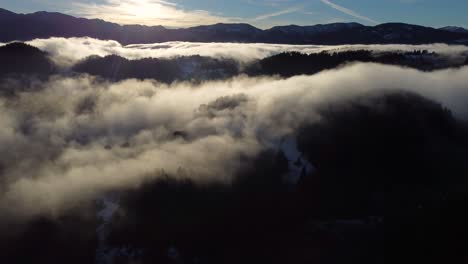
(68, 51)
(69, 139)
(85, 136)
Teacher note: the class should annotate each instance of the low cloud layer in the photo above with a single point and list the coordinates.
(68, 51)
(68, 140)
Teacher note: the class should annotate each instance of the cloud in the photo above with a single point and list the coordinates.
(147, 12)
(67, 52)
(70, 139)
(348, 11)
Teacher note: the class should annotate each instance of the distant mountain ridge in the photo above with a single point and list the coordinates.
(455, 29)
(25, 27)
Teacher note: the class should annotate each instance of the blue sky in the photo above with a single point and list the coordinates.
(261, 13)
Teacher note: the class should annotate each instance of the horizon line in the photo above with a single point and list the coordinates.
(228, 23)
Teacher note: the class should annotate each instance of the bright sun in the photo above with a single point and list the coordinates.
(144, 10)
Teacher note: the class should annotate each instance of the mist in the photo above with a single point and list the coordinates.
(68, 51)
(71, 139)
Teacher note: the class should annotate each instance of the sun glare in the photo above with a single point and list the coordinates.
(147, 12)
(144, 9)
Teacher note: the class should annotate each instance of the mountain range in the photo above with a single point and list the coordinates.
(25, 27)
(455, 29)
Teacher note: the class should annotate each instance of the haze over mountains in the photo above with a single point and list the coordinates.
(46, 24)
(23, 61)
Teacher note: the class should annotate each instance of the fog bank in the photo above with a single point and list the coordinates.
(71, 139)
(67, 51)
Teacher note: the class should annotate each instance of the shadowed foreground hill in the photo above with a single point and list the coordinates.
(398, 157)
(22, 59)
(401, 156)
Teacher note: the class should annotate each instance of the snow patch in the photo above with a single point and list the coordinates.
(298, 165)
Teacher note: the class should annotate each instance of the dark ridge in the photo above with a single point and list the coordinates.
(194, 68)
(299, 63)
(197, 68)
(70, 238)
(455, 29)
(18, 48)
(22, 59)
(225, 26)
(6, 13)
(47, 24)
(402, 155)
(408, 34)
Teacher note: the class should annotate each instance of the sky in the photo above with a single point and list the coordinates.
(261, 13)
